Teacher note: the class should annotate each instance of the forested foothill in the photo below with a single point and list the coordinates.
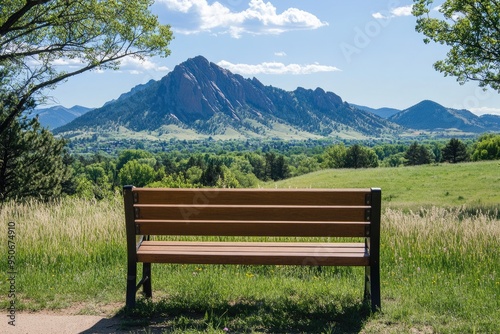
(206, 163)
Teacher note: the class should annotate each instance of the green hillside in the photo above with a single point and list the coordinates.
(472, 184)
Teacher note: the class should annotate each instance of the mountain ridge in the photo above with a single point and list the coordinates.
(384, 112)
(199, 99)
(430, 115)
(202, 96)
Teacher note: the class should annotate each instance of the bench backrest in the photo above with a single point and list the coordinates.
(253, 212)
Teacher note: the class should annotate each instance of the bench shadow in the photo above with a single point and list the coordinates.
(107, 325)
(252, 316)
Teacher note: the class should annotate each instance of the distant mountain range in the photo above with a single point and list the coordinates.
(382, 112)
(199, 99)
(57, 116)
(429, 115)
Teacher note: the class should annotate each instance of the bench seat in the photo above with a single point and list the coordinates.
(254, 253)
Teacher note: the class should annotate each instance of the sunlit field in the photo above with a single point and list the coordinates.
(471, 184)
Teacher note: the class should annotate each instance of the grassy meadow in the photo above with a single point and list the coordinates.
(475, 185)
(440, 264)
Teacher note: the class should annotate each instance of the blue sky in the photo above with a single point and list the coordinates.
(365, 51)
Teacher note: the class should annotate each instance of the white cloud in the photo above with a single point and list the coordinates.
(280, 54)
(276, 68)
(485, 110)
(259, 18)
(133, 65)
(394, 12)
(402, 11)
(67, 62)
(129, 65)
(378, 16)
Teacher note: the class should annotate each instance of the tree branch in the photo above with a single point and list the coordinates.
(19, 107)
(15, 17)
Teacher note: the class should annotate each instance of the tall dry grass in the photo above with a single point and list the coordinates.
(66, 231)
(74, 228)
(443, 238)
(440, 270)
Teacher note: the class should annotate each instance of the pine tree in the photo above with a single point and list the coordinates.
(276, 167)
(418, 155)
(31, 162)
(455, 151)
(360, 157)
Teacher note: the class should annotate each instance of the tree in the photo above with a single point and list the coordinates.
(302, 164)
(137, 174)
(99, 180)
(334, 156)
(227, 179)
(91, 34)
(360, 157)
(258, 163)
(472, 30)
(418, 155)
(193, 174)
(394, 160)
(276, 167)
(31, 162)
(487, 147)
(455, 151)
(96, 174)
(243, 172)
(212, 173)
(128, 155)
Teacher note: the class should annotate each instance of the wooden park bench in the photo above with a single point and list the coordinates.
(307, 213)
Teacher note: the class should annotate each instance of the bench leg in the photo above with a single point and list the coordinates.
(131, 285)
(375, 287)
(146, 276)
(367, 294)
(372, 287)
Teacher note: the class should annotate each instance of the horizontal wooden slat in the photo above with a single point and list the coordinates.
(324, 254)
(253, 228)
(257, 243)
(251, 212)
(251, 196)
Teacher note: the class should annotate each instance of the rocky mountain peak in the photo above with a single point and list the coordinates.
(201, 95)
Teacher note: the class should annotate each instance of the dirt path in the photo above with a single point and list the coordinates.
(70, 320)
(50, 323)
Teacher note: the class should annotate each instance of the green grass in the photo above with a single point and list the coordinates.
(439, 263)
(472, 184)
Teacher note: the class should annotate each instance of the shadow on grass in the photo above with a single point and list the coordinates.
(243, 316)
